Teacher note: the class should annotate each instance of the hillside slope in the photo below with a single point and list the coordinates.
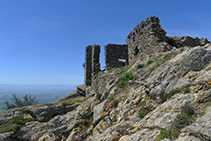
(160, 95)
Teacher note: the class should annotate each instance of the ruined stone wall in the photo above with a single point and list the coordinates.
(186, 41)
(95, 60)
(147, 37)
(92, 65)
(114, 52)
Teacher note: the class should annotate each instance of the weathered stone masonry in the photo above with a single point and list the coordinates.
(114, 52)
(92, 65)
(146, 38)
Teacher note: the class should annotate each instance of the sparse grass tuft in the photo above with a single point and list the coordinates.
(140, 66)
(207, 104)
(182, 120)
(144, 109)
(13, 124)
(112, 97)
(150, 62)
(124, 79)
(208, 69)
(182, 49)
(175, 91)
(71, 101)
(164, 133)
(126, 118)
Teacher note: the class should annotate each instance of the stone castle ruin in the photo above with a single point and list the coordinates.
(146, 38)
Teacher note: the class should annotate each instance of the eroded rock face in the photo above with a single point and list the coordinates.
(163, 79)
(6, 136)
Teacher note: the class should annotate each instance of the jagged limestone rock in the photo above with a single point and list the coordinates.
(202, 125)
(98, 112)
(46, 112)
(167, 77)
(6, 136)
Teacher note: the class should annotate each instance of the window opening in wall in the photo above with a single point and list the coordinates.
(122, 60)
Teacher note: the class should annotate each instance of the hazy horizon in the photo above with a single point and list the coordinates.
(43, 93)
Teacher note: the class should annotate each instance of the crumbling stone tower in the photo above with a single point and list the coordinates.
(92, 65)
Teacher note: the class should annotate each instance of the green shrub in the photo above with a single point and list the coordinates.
(164, 133)
(115, 103)
(112, 97)
(188, 110)
(140, 66)
(144, 109)
(128, 76)
(99, 96)
(121, 83)
(208, 69)
(143, 112)
(124, 69)
(165, 58)
(182, 49)
(124, 79)
(150, 62)
(207, 104)
(126, 117)
(182, 120)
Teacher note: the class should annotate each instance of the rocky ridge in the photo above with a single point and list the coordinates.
(162, 95)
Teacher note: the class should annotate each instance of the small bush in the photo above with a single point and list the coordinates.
(143, 112)
(112, 97)
(150, 62)
(140, 66)
(99, 96)
(182, 120)
(164, 133)
(207, 104)
(124, 69)
(126, 118)
(121, 83)
(208, 69)
(115, 103)
(182, 49)
(124, 79)
(188, 110)
(144, 109)
(128, 76)
(165, 58)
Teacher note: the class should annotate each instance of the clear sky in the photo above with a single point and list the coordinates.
(43, 41)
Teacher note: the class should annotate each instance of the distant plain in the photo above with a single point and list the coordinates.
(43, 93)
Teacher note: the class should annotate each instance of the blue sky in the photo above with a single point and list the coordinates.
(43, 41)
